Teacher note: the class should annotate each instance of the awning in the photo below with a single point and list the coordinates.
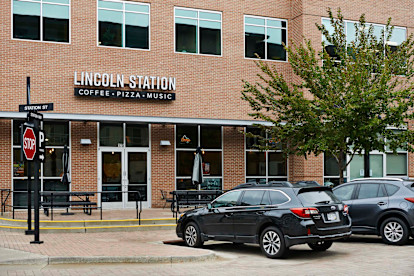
(133, 119)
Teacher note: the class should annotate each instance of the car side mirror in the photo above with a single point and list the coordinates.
(209, 207)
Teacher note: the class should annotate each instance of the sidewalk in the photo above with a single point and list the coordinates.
(102, 247)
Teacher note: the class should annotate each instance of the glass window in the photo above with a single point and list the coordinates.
(187, 136)
(53, 165)
(229, 199)
(27, 16)
(344, 192)
(397, 164)
(212, 184)
(313, 198)
(368, 191)
(137, 135)
(111, 135)
(210, 137)
(211, 163)
(252, 198)
(277, 164)
(391, 189)
(197, 31)
(124, 24)
(266, 199)
(265, 37)
(57, 134)
(277, 197)
(255, 163)
(185, 161)
(253, 142)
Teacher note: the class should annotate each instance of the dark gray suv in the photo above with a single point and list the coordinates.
(380, 206)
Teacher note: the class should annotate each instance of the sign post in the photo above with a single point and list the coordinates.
(33, 148)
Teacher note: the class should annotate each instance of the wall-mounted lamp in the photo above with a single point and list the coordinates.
(85, 141)
(165, 143)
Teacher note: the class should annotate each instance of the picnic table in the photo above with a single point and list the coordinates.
(73, 200)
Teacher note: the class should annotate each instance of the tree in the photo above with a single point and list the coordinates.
(349, 95)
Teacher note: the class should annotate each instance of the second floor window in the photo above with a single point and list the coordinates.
(43, 20)
(265, 37)
(123, 24)
(197, 31)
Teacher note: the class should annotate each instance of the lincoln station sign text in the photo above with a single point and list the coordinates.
(103, 84)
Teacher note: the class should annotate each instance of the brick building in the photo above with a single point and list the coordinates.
(137, 86)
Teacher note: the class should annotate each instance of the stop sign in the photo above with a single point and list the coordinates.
(29, 143)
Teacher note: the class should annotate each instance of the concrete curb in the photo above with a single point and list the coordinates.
(108, 259)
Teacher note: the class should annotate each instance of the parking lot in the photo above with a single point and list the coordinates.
(361, 255)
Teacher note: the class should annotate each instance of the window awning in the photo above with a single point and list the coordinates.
(133, 119)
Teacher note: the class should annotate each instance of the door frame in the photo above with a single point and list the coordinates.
(124, 204)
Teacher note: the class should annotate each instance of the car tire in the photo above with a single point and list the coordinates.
(394, 231)
(320, 245)
(272, 243)
(192, 235)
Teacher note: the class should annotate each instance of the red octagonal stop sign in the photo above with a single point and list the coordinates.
(29, 143)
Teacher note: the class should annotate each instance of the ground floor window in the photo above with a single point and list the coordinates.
(209, 139)
(57, 136)
(264, 166)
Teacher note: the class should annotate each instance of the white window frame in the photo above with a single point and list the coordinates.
(176, 150)
(265, 26)
(123, 23)
(41, 2)
(198, 30)
(267, 176)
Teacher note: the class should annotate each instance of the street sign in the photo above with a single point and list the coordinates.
(35, 107)
(34, 116)
(29, 143)
(41, 146)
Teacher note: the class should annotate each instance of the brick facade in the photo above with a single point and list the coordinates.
(207, 86)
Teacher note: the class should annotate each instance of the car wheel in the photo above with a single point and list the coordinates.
(320, 245)
(272, 243)
(192, 236)
(394, 231)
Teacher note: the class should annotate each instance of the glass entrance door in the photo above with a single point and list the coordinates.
(122, 172)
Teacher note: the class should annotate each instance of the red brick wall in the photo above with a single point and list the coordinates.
(5, 156)
(233, 157)
(162, 163)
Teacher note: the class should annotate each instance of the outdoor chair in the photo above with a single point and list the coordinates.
(164, 196)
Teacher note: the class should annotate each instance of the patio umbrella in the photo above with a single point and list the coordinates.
(197, 176)
(65, 163)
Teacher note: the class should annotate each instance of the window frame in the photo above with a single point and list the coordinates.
(177, 149)
(265, 26)
(198, 31)
(41, 22)
(123, 23)
(267, 176)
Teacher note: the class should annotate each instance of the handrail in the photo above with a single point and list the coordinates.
(53, 194)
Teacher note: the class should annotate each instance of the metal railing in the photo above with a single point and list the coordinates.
(50, 197)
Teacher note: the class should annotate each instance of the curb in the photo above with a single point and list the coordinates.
(109, 259)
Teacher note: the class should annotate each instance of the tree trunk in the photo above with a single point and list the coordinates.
(366, 164)
(341, 169)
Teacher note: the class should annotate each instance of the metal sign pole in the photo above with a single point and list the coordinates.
(29, 230)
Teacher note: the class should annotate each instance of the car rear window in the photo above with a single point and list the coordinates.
(312, 198)
(391, 189)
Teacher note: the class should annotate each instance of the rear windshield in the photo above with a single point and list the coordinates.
(313, 198)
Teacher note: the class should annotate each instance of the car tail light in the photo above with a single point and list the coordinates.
(304, 212)
(410, 199)
(346, 209)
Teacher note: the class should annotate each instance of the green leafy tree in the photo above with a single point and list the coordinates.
(348, 95)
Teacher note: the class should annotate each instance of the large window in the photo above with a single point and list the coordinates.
(263, 166)
(265, 37)
(124, 24)
(57, 136)
(197, 31)
(209, 138)
(398, 36)
(43, 20)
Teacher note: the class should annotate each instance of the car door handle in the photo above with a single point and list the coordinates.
(228, 215)
(381, 203)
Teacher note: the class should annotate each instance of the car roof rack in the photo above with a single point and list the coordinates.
(381, 178)
(269, 184)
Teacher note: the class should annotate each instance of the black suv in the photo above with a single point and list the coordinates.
(276, 216)
(380, 206)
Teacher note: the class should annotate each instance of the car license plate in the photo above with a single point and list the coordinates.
(332, 216)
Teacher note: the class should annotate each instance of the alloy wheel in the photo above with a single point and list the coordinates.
(191, 235)
(393, 231)
(271, 242)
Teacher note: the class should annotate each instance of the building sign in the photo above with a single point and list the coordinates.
(131, 87)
